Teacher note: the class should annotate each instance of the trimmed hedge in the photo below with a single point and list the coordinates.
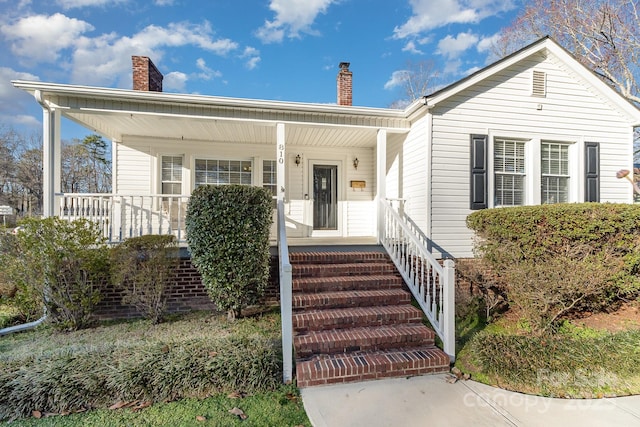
(157, 372)
(557, 260)
(539, 231)
(228, 235)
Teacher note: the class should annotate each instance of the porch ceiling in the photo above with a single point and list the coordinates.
(121, 126)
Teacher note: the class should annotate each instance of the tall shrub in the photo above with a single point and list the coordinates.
(14, 293)
(228, 235)
(66, 264)
(144, 268)
(557, 260)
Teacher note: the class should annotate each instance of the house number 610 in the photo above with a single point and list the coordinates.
(281, 153)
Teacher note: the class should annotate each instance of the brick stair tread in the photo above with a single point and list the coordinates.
(378, 281)
(352, 298)
(363, 338)
(336, 257)
(345, 269)
(355, 316)
(363, 366)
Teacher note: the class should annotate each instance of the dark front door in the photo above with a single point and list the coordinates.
(325, 196)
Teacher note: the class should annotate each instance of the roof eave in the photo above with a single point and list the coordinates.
(175, 98)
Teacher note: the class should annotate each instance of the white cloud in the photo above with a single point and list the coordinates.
(429, 14)
(292, 18)
(26, 120)
(175, 81)
(452, 67)
(471, 71)
(397, 79)
(40, 38)
(252, 55)
(486, 43)
(411, 48)
(453, 47)
(12, 99)
(73, 4)
(105, 59)
(206, 72)
(164, 2)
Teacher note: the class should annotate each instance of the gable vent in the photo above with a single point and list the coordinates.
(539, 83)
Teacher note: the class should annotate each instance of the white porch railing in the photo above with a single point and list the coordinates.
(123, 216)
(432, 284)
(286, 299)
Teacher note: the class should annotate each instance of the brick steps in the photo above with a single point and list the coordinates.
(340, 318)
(343, 270)
(347, 283)
(353, 321)
(359, 339)
(351, 298)
(363, 366)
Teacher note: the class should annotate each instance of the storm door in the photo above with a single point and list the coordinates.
(325, 197)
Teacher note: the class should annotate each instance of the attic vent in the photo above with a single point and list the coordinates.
(539, 84)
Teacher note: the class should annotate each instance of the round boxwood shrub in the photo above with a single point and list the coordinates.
(228, 235)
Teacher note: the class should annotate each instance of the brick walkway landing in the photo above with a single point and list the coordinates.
(353, 321)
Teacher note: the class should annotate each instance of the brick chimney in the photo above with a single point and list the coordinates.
(345, 86)
(146, 76)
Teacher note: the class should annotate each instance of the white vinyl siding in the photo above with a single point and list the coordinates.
(509, 169)
(221, 172)
(554, 162)
(502, 106)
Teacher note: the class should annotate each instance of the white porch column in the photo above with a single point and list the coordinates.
(381, 177)
(51, 160)
(282, 160)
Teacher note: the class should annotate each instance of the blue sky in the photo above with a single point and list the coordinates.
(265, 49)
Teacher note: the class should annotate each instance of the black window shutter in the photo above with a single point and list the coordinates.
(592, 171)
(479, 195)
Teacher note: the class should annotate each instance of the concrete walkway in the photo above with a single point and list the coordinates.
(431, 401)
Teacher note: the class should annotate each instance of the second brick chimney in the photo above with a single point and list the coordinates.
(345, 86)
(146, 76)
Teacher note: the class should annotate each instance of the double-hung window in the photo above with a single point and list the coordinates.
(171, 175)
(554, 165)
(269, 176)
(509, 170)
(221, 172)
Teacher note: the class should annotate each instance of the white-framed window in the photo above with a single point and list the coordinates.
(509, 167)
(171, 175)
(270, 176)
(222, 172)
(554, 165)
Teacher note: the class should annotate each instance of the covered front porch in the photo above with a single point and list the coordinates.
(327, 166)
(328, 163)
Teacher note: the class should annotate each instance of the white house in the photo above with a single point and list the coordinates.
(535, 127)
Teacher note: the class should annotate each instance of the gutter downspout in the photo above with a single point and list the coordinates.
(31, 325)
(24, 326)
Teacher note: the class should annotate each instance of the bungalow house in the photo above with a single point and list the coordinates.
(535, 127)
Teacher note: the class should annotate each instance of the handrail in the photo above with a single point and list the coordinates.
(432, 284)
(286, 299)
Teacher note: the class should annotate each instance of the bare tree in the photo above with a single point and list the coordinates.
(604, 35)
(29, 175)
(417, 80)
(85, 168)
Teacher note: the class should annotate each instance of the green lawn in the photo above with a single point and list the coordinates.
(188, 366)
(279, 408)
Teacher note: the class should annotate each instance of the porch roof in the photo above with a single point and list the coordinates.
(119, 114)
